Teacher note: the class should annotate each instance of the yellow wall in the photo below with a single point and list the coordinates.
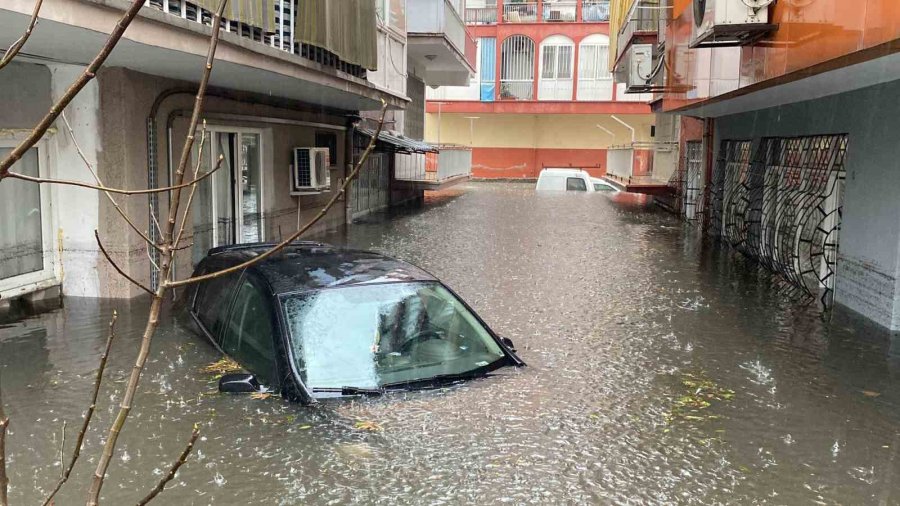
(556, 131)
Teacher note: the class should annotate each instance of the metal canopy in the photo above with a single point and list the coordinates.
(399, 143)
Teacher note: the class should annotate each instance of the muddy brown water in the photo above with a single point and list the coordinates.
(620, 313)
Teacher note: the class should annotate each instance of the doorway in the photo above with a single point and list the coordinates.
(229, 208)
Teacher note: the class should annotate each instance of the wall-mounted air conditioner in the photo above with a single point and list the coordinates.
(639, 68)
(720, 23)
(309, 173)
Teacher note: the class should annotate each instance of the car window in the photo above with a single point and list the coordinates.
(249, 338)
(211, 304)
(575, 184)
(600, 187)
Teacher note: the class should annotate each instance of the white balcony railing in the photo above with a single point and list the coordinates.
(481, 15)
(595, 11)
(440, 16)
(561, 11)
(520, 12)
(450, 162)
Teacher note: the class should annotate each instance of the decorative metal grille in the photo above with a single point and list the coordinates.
(783, 209)
(687, 183)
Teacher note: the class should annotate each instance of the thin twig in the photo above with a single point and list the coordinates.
(109, 196)
(14, 49)
(134, 379)
(187, 207)
(62, 448)
(89, 73)
(82, 184)
(4, 480)
(154, 220)
(296, 235)
(90, 411)
(117, 268)
(174, 469)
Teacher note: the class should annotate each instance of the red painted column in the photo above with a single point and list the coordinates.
(539, 14)
(499, 11)
(575, 61)
(537, 59)
(578, 9)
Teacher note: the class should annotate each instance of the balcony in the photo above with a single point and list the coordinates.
(595, 11)
(280, 35)
(640, 27)
(260, 51)
(439, 47)
(520, 12)
(451, 165)
(630, 167)
(560, 11)
(486, 15)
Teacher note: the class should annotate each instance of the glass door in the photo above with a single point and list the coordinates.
(229, 209)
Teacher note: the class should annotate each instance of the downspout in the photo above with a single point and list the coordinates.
(633, 137)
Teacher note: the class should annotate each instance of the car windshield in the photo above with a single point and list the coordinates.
(376, 335)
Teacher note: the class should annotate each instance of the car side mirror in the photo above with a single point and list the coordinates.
(239, 383)
(508, 343)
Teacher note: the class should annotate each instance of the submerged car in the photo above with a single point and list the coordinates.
(316, 321)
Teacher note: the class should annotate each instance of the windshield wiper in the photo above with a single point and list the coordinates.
(352, 391)
(440, 379)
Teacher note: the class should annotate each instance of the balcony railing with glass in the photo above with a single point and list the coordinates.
(520, 12)
(281, 37)
(595, 11)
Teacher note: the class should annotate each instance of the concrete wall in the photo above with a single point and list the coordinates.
(868, 270)
(126, 98)
(26, 85)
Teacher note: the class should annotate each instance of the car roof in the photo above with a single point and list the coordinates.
(305, 266)
(563, 171)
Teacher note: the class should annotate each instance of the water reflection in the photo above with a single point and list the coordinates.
(618, 311)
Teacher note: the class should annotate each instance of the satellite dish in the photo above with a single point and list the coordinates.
(699, 11)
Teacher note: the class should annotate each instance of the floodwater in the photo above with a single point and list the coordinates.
(660, 371)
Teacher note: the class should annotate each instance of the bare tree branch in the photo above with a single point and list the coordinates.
(90, 411)
(187, 207)
(109, 196)
(82, 184)
(174, 469)
(89, 73)
(62, 447)
(4, 480)
(14, 49)
(296, 235)
(117, 268)
(165, 268)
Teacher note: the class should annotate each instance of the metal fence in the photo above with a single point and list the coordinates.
(783, 208)
(595, 11)
(520, 12)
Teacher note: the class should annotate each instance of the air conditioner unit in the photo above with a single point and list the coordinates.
(719, 23)
(637, 68)
(309, 172)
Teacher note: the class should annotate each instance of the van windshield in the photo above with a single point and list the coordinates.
(371, 336)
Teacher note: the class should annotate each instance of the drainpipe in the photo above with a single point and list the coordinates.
(633, 136)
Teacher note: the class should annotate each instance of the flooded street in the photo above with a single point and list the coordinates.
(659, 371)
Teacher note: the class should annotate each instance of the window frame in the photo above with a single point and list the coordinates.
(48, 276)
(580, 180)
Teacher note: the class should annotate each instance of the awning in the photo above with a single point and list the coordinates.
(258, 13)
(399, 143)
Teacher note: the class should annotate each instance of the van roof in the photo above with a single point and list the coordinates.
(564, 171)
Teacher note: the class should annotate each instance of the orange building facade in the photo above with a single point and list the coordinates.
(787, 148)
(543, 95)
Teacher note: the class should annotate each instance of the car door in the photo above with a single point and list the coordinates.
(212, 300)
(250, 330)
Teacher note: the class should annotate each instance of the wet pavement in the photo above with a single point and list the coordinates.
(660, 371)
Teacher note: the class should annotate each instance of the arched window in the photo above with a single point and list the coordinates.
(517, 68)
(595, 81)
(557, 67)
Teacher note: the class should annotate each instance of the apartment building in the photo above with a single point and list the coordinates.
(542, 94)
(290, 82)
(789, 154)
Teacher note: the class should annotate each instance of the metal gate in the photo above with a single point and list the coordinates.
(783, 208)
(370, 191)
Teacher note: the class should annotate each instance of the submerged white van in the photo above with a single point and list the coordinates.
(572, 180)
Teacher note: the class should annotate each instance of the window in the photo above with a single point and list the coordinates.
(487, 56)
(594, 77)
(575, 184)
(600, 187)
(517, 68)
(328, 140)
(557, 60)
(212, 301)
(248, 337)
(21, 220)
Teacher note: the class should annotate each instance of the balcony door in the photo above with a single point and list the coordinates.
(557, 62)
(229, 207)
